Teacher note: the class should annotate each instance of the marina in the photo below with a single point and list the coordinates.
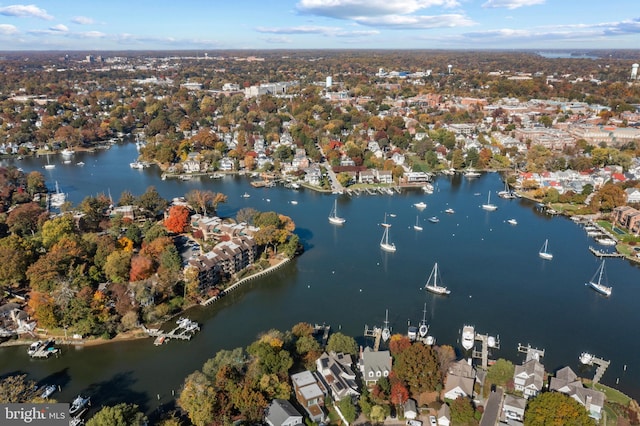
(498, 276)
(184, 330)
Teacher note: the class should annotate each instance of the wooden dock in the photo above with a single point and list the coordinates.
(532, 353)
(179, 332)
(599, 253)
(325, 330)
(45, 350)
(376, 333)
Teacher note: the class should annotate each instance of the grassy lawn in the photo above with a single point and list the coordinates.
(612, 395)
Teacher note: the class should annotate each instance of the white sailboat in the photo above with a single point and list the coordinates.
(384, 241)
(333, 216)
(544, 253)
(488, 206)
(424, 328)
(58, 198)
(434, 281)
(506, 192)
(49, 166)
(598, 285)
(386, 331)
(417, 226)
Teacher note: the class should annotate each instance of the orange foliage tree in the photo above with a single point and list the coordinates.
(399, 393)
(178, 219)
(141, 268)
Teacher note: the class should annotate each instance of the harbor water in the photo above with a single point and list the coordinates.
(498, 282)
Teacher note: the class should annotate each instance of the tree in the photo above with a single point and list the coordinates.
(246, 215)
(462, 411)
(178, 219)
(339, 342)
(398, 343)
(348, 409)
(152, 202)
(198, 399)
(119, 415)
(17, 254)
(141, 268)
(399, 393)
(500, 372)
(23, 220)
(117, 266)
(55, 229)
(555, 408)
(35, 183)
(418, 367)
(16, 389)
(608, 197)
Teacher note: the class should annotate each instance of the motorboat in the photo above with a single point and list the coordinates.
(78, 405)
(434, 219)
(245, 195)
(468, 336)
(606, 241)
(434, 282)
(512, 222)
(450, 211)
(420, 205)
(33, 348)
(586, 358)
(67, 152)
(48, 391)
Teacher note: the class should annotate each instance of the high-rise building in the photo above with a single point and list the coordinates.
(449, 67)
(634, 71)
(329, 82)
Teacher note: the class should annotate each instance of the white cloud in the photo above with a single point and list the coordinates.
(92, 34)
(8, 29)
(416, 21)
(60, 28)
(311, 29)
(348, 9)
(82, 20)
(277, 40)
(25, 11)
(511, 4)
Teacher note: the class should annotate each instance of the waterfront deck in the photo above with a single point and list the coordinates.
(181, 332)
(45, 350)
(600, 253)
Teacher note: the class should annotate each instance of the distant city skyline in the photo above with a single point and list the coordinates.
(319, 24)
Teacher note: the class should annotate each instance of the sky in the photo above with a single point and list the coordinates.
(96, 25)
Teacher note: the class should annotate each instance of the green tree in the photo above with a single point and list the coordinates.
(152, 202)
(339, 342)
(555, 408)
(348, 409)
(35, 183)
(117, 266)
(235, 358)
(500, 372)
(17, 254)
(118, 415)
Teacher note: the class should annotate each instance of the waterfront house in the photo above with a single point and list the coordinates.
(313, 175)
(282, 413)
(633, 195)
(567, 382)
(337, 376)
(627, 217)
(366, 176)
(374, 365)
(513, 407)
(191, 166)
(384, 176)
(310, 394)
(528, 378)
(459, 380)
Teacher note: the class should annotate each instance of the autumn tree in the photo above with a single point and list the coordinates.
(399, 393)
(23, 220)
(117, 266)
(500, 372)
(141, 268)
(418, 367)
(178, 219)
(17, 254)
(555, 408)
(55, 229)
(198, 399)
(398, 343)
(462, 411)
(16, 389)
(608, 197)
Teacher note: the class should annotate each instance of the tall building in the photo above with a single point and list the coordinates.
(634, 71)
(329, 82)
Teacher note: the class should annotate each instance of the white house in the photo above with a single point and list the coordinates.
(336, 374)
(633, 195)
(282, 413)
(459, 381)
(567, 382)
(374, 365)
(528, 378)
(444, 415)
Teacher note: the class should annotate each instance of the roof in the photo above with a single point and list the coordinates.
(281, 411)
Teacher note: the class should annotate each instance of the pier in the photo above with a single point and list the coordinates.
(325, 330)
(487, 342)
(601, 366)
(600, 253)
(532, 353)
(184, 331)
(376, 333)
(45, 350)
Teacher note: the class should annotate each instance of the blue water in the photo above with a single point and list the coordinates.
(498, 282)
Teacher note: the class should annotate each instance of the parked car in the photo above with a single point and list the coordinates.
(433, 421)
(414, 423)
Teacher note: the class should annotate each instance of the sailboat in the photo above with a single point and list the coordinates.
(488, 206)
(417, 226)
(386, 331)
(333, 216)
(543, 253)
(506, 192)
(424, 328)
(49, 166)
(384, 241)
(432, 283)
(597, 285)
(58, 198)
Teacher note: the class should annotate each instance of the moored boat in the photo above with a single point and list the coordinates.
(488, 206)
(512, 222)
(48, 391)
(434, 282)
(468, 336)
(384, 241)
(597, 285)
(78, 405)
(333, 216)
(586, 358)
(417, 226)
(544, 253)
(434, 219)
(450, 211)
(420, 205)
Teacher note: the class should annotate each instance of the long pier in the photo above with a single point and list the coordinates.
(599, 253)
(376, 333)
(181, 332)
(246, 279)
